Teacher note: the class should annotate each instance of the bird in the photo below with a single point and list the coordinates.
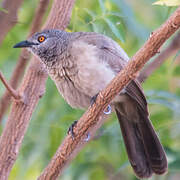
(82, 64)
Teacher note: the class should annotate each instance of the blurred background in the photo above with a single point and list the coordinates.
(130, 23)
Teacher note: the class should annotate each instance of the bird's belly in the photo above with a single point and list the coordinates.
(72, 95)
(69, 92)
(93, 77)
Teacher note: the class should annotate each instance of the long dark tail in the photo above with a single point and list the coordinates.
(144, 149)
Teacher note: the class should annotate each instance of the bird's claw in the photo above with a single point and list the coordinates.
(93, 99)
(108, 110)
(70, 130)
(87, 137)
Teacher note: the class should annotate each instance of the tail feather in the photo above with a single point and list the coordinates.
(144, 149)
(153, 147)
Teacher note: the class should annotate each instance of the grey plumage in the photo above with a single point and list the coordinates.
(82, 64)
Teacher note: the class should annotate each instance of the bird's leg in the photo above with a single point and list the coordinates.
(93, 99)
(70, 130)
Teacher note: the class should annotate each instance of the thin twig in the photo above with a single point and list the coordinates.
(13, 92)
(173, 47)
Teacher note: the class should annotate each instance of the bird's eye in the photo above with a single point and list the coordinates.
(41, 39)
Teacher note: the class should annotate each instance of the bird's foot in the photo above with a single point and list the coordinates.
(93, 99)
(71, 131)
(108, 110)
(87, 137)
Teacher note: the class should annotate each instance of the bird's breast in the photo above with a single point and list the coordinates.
(93, 74)
(63, 80)
(84, 77)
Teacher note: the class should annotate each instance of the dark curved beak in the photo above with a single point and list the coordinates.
(24, 44)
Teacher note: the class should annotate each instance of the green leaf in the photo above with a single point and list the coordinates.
(167, 2)
(3, 10)
(101, 3)
(175, 165)
(177, 71)
(169, 100)
(95, 27)
(161, 102)
(162, 94)
(90, 13)
(117, 14)
(130, 20)
(114, 29)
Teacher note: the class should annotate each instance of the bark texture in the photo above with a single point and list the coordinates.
(90, 120)
(32, 88)
(23, 58)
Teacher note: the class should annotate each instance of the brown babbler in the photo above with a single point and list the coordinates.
(81, 64)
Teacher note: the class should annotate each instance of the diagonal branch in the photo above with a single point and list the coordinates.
(90, 120)
(173, 47)
(32, 88)
(23, 58)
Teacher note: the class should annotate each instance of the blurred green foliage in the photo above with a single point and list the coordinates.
(168, 2)
(129, 23)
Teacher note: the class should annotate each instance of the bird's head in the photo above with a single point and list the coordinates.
(47, 45)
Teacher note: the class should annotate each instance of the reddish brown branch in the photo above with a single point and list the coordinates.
(39, 15)
(32, 88)
(23, 58)
(173, 47)
(9, 88)
(8, 18)
(90, 119)
(174, 83)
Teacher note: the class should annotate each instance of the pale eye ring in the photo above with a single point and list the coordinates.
(41, 39)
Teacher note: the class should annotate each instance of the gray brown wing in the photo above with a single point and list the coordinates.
(111, 53)
(107, 49)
